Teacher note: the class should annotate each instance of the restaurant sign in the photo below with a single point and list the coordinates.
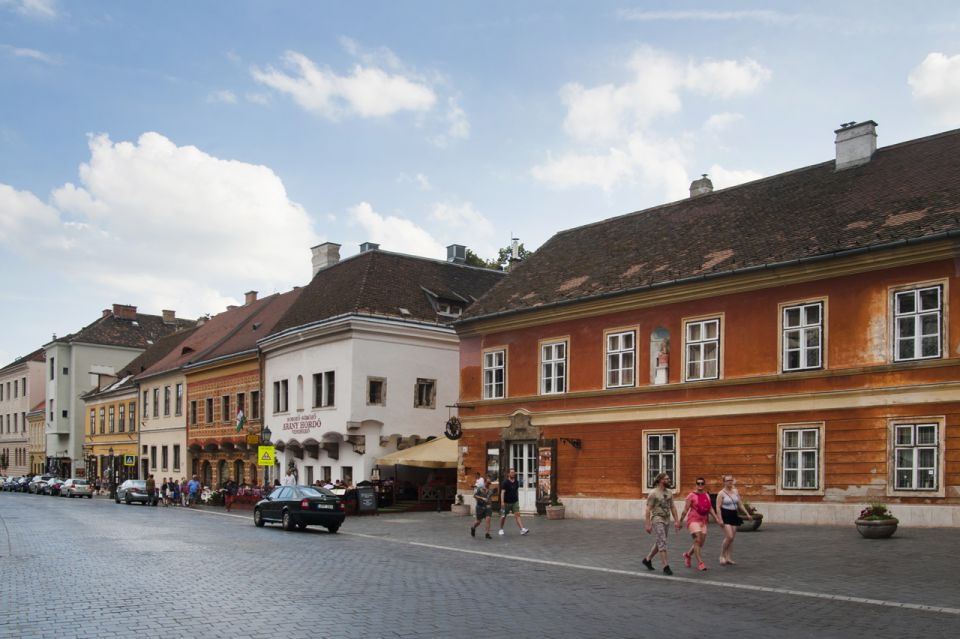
(301, 424)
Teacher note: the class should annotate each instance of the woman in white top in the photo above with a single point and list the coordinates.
(729, 506)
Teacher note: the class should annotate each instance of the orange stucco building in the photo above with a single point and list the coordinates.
(795, 332)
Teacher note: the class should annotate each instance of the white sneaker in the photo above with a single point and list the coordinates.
(524, 531)
(501, 533)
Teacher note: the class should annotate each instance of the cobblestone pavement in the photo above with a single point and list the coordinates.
(82, 568)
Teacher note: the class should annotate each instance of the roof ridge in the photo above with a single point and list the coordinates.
(236, 329)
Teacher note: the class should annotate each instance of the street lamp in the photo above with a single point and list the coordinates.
(265, 441)
(113, 476)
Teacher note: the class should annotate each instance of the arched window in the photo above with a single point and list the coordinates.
(222, 476)
(252, 479)
(238, 471)
(207, 477)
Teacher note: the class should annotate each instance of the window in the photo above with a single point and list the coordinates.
(23, 385)
(52, 412)
(242, 403)
(425, 394)
(66, 371)
(917, 323)
(53, 368)
(16, 389)
(101, 422)
(153, 457)
(121, 422)
(254, 404)
(225, 409)
(916, 456)
(660, 455)
(208, 417)
(193, 412)
(803, 337)
(621, 358)
(346, 474)
(131, 412)
(111, 419)
(64, 414)
(176, 456)
(178, 407)
(156, 402)
(280, 396)
(93, 422)
(146, 394)
(494, 375)
(801, 448)
(164, 458)
(553, 368)
(166, 401)
(376, 391)
(323, 389)
(702, 349)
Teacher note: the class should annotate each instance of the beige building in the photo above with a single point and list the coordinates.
(21, 387)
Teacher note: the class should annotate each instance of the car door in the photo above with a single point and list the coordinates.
(271, 510)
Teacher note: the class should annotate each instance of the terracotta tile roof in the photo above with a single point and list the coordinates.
(140, 331)
(39, 355)
(381, 283)
(907, 192)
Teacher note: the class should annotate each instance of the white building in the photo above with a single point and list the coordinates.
(365, 362)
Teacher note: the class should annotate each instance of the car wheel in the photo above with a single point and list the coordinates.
(301, 525)
(258, 518)
(116, 499)
(333, 529)
(127, 500)
(287, 522)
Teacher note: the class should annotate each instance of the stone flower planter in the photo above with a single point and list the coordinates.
(750, 525)
(460, 510)
(555, 512)
(877, 528)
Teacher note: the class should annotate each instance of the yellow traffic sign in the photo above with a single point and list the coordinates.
(129, 460)
(265, 455)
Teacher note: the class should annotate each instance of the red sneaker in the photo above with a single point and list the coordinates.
(686, 559)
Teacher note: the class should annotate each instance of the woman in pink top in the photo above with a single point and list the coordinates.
(697, 509)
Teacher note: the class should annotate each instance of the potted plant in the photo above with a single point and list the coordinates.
(876, 522)
(555, 509)
(751, 525)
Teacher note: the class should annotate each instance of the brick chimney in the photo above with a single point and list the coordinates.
(125, 311)
(701, 186)
(324, 255)
(107, 312)
(856, 143)
(169, 317)
(250, 297)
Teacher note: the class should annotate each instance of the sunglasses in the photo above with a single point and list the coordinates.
(701, 483)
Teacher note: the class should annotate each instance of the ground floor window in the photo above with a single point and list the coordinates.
(800, 458)
(916, 455)
(661, 450)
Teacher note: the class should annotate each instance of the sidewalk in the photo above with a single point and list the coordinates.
(915, 567)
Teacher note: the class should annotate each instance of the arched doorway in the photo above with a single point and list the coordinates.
(238, 471)
(253, 475)
(222, 473)
(207, 471)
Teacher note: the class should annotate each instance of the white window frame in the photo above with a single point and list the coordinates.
(917, 316)
(783, 449)
(803, 329)
(281, 396)
(425, 393)
(699, 345)
(491, 368)
(614, 353)
(658, 435)
(937, 445)
(554, 364)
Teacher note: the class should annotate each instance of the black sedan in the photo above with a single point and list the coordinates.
(300, 506)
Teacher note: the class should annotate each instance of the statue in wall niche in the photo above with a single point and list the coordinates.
(660, 356)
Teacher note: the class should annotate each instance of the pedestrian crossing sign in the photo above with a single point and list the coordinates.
(129, 460)
(265, 455)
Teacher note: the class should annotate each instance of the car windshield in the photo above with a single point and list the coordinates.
(314, 491)
(78, 482)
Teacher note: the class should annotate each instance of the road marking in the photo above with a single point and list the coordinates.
(647, 575)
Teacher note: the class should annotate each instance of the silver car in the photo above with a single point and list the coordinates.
(133, 490)
(76, 488)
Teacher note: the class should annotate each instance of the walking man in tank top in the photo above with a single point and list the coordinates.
(510, 501)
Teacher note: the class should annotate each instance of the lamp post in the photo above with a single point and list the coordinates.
(265, 441)
(113, 476)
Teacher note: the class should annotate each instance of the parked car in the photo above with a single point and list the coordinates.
(134, 490)
(76, 488)
(23, 484)
(53, 486)
(38, 482)
(300, 506)
(11, 484)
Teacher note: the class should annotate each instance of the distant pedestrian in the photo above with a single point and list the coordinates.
(729, 506)
(481, 495)
(659, 509)
(229, 492)
(698, 510)
(151, 490)
(164, 487)
(176, 492)
(184, 493)
(510, 501)
(193, 488)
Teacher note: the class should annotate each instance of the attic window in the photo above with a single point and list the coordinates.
(185, 350)
(404, 311)
(448, 309)
(257, 325)
(135, 323)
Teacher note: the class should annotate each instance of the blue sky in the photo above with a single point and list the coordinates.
(175, 155)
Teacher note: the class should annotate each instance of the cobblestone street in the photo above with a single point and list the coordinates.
(81, 568)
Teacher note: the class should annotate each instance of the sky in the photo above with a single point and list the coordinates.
(174, 155)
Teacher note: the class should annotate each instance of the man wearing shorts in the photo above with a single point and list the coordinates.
(482, 496)
(659, 509)
(193, 488)
(510, 501)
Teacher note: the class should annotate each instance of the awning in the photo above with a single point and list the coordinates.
(436, 453)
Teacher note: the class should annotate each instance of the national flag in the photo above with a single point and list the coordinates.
(241, 419)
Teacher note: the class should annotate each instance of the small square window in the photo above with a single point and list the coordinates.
(376, 391)
(425, 394)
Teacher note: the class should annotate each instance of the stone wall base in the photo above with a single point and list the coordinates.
(918, 516)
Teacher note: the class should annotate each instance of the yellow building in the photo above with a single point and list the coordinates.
(37, 441)
(110, 432)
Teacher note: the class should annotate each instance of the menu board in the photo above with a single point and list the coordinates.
(545, 473)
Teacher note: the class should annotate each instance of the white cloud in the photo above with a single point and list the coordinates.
(462, 216)
(765, 16)
(31, 54)
(258, 98)
(723, 178)
(395, 233)
(721, 121)
(224, 96)
(458, 125)
(935, 84)
(367, 92)
(43, 9)
(170, 226)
